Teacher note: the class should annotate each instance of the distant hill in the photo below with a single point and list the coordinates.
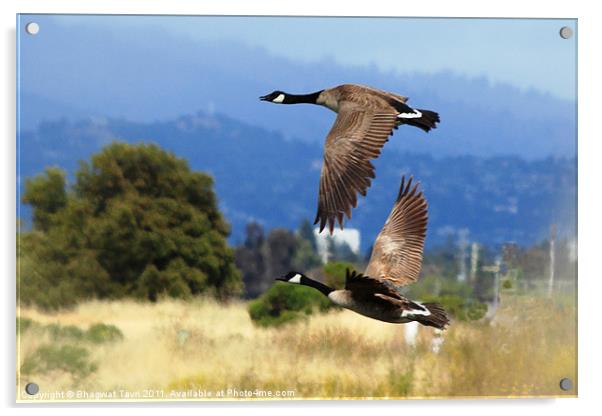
(157, 76)
(261, 176)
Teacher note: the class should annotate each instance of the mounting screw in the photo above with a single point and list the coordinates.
(32, 389)
(32, 28)
(566, 384)
(566, 32)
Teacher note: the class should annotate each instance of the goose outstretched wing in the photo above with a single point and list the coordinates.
(356, 138)
(397, 253)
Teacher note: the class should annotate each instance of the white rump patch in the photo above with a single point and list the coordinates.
(414, 312)
(295, 279)
(278, 99)
(415, 114)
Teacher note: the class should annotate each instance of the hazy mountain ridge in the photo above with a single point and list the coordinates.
(262, 176)
(159, 77)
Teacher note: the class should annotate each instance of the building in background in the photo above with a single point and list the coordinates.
(325, 241)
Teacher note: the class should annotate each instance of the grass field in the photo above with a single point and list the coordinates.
(202, 349)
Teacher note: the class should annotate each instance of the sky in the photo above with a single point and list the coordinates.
(527, 53)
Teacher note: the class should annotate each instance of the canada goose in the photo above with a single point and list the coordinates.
(366, 118)
(396, 260)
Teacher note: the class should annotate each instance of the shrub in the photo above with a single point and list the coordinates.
(335, 273)
(285, 302)
(476, 310)
(100, 333)
(58, 332)
(25, 324)
(68, 358)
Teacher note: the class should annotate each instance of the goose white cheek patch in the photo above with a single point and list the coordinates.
(279, 99)
(295, 279)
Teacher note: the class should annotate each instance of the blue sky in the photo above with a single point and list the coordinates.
(528, 53)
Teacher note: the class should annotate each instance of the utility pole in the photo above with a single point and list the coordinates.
(474, 262)
(496, 299)
(495, 269)
(552, 258)
(509, 259)
(462, 246)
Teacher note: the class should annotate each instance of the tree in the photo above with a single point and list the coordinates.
(340, 251)
(262, 259)
(280, 249)
(138, 222)
(306, 232)
(46, 194)
(254, 236)
(250, 260)
(306, 257)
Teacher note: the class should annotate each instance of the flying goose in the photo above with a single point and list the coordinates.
(396, 260)
(366, 118)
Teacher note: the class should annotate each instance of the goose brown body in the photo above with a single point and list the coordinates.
(366, 117)
(381, 311)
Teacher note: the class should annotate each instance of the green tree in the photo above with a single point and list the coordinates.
(262, 259)
(46, 194)
(280, 249)
(306, 232)
(138, 222)
(306, 256)
(250, 260)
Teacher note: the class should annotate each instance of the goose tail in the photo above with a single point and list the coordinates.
(437, 318)
(427, 121)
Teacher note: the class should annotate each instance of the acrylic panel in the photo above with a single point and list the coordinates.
(212, 208)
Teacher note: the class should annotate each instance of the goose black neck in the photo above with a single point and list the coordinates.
(306, 281)
(301, 98)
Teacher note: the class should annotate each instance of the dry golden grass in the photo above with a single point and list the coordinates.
(175, 346)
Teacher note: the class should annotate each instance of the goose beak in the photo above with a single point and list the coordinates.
(282, 279)
(264, 98)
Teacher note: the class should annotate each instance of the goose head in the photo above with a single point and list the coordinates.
(291, 277)
(277, 97)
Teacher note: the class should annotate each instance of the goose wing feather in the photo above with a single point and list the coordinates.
(356, 137)
(397, 254)
(365, 287)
